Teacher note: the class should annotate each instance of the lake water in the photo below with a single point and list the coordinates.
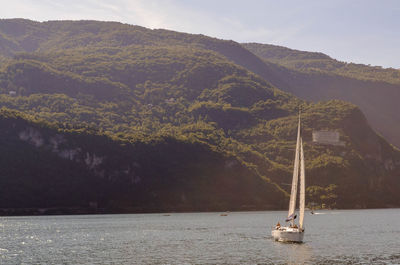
(332, 237)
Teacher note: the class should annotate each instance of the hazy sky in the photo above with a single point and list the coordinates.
(362, 31)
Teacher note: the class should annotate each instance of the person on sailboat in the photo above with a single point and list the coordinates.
(291, 217)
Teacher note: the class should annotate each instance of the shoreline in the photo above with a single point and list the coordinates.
(53, 211)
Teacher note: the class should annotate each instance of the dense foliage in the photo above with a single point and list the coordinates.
(177, 123)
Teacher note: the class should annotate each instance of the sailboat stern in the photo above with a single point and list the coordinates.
(288, 234)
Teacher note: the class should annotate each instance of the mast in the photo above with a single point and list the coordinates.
(302, 185)
(293, 193)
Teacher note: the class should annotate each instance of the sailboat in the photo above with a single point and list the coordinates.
(294, 232)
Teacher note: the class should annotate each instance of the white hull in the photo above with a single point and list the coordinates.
(288, 234)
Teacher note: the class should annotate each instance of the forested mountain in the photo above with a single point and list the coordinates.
(316, 76)
(109, 117)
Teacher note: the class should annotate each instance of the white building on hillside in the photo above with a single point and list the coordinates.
(327, 137)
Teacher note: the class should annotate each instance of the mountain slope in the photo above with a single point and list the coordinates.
(315, 76)
(29, 36)
(316, 62)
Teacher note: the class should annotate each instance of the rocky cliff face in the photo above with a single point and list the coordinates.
(49, 169)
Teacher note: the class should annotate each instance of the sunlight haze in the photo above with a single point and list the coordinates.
(353, 31)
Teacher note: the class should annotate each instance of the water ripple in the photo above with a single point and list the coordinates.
(345, 237)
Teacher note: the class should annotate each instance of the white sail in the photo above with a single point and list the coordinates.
(302, 185)
(293, 194)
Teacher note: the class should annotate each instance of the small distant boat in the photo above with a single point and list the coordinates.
(294, 232)
(224, 214)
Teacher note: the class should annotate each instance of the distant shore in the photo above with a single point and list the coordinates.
(85, 211)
